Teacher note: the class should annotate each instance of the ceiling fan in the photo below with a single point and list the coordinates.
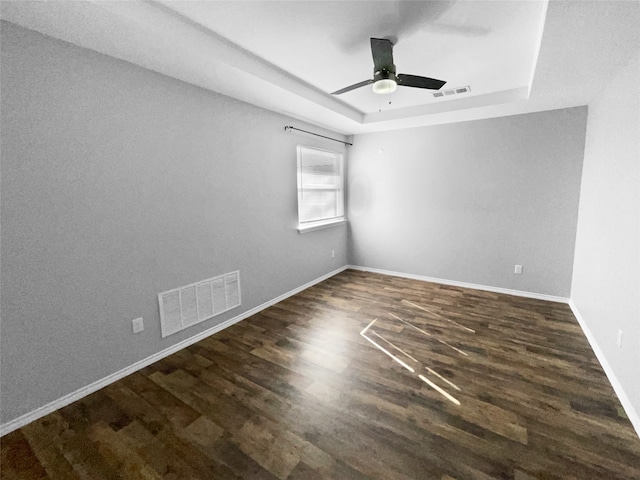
(384, 78)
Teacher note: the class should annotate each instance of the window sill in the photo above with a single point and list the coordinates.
(320, 226)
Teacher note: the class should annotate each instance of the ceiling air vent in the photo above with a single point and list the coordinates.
(451, 91)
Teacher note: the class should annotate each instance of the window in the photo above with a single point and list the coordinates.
(320, 188)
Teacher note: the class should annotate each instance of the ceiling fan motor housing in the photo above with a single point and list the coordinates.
(385, 74)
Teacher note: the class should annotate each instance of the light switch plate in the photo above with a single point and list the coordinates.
(138, 325)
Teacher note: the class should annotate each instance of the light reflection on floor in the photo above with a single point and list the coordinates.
(407, 302)
(429, 335)
(383, 350)
(368, 330)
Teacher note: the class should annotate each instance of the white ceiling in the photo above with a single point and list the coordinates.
(488, 45)
(517, 56)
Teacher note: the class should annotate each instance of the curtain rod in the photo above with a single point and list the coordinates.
(289, 127)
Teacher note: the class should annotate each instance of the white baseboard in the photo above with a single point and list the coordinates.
(103, 382)
(633, 416)
(454, 283)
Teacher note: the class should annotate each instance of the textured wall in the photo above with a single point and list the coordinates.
(468, 201)
(606, 275)
(117, 184)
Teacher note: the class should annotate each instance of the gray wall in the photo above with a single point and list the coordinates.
(606, 274)
(468, 201)
(117, 184)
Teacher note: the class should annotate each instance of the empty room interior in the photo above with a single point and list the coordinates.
(320, 240)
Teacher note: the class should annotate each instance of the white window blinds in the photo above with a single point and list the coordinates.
(320, 186)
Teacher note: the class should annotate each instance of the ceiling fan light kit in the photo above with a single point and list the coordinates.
(385, 79)
(385, 86)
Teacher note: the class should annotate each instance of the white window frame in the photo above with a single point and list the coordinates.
(309, 226)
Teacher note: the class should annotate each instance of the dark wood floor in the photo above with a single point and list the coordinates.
(363, 376)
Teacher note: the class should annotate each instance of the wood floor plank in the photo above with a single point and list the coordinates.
(19, 460)
(447, 384)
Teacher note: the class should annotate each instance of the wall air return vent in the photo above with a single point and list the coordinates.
(451, 91)
(185, 306)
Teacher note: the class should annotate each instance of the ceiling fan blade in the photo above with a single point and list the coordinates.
(419, 82)
(382, 52)
(352, 87)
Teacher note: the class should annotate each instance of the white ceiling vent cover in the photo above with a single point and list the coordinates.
(185, 306)
(451, 91)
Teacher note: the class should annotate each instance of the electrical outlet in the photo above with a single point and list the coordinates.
(518, 270)
(333, 254)
(619, 339)
(138, 325)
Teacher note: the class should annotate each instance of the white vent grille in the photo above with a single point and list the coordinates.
(185, 306)
(451, 91)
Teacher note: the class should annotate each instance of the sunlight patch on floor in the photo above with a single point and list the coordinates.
(368, 332)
